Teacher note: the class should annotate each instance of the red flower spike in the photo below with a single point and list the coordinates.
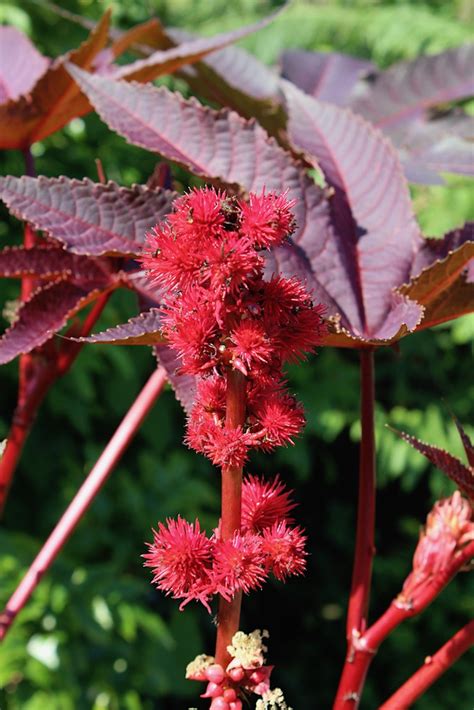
(264, 503)
(180, 557)
(220, 314)
(239, 564)
(285, 550)
(267, 219)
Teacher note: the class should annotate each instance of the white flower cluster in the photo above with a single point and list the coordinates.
(272, 700)
(248, 649)
(199, 664)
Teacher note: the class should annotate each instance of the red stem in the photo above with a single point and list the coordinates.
(229, 612)
(364, 545)
(84, 497)
(34, 392)
(364, 648)
(37, 374)
(29, 236)
(33, 381)
(432, 669)
(100, 171)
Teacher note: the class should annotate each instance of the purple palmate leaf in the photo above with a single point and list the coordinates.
(368, 239)
(406, 90)
(21, 64)
(144, 329)
(47, 262)
(376, 232)
(462, 475)
(89, 218)
(46, 312)
(323, 75)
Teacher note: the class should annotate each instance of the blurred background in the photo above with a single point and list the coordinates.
(96, 635)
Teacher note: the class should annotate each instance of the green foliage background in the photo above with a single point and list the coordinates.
(96, 635)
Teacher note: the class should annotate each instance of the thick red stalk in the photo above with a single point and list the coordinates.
(29, 236)
(84, 497)
(34, 378)
(364, 545)
(228, 619)
(37, 375)
(364, 647)
(432, 669)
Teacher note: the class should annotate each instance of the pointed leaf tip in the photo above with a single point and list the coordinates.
(188, 52)
(461, 475)
(21, 65)
(466, 441)
(43, 315)
(144, 329)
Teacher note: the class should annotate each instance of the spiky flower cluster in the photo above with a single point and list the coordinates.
(220, 314)
(189, 565)
(245, 674)
(227, 323)
(449, 527)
